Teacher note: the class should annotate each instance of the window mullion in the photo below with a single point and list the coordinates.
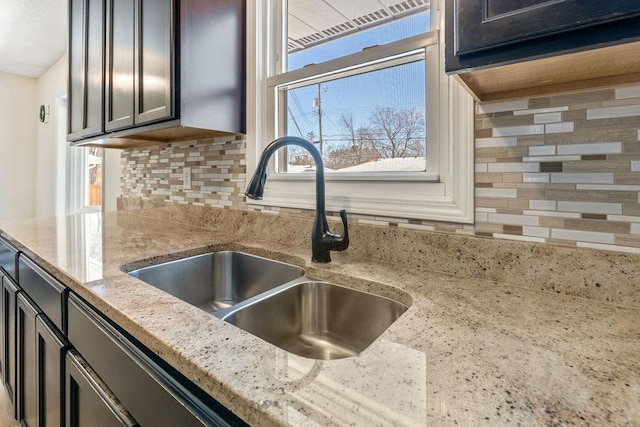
(356, 60)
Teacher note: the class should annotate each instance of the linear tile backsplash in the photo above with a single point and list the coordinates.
(218, 172)
(561, 169)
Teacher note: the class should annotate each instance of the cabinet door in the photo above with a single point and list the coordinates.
(120, 64)
(94, 68)
(86, 69)
(154, 51)
(1, 328)
(157, 399)
(75, 97)
(9, 293)
(50, 348)
(88, 401)
(486, 24)
(27, 400)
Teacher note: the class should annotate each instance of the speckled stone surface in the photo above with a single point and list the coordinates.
(582, 272)
(468, 351)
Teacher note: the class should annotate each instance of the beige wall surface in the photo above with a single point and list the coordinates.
(52, 86)
(18, 118)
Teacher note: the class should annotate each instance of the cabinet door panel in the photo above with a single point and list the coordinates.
(120, 64)
(88, 402)
(2, 311)
(75, 96)
(9, 293)
(487, 24)
(26, 314)
(50, 349)
(94, 68)
(154, 76)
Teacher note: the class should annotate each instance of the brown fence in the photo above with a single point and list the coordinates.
(95, 195)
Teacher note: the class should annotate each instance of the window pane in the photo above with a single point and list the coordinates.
(369, 122)
(320, 31)
(94, 176)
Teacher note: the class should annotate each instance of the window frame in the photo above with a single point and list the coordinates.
(402, 195)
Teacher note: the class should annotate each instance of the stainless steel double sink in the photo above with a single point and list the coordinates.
(275, 301)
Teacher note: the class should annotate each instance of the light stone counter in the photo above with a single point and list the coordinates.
(467, 351)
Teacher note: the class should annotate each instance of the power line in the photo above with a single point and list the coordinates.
(294, 121)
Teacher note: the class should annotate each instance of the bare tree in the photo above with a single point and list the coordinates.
(360, 140)
(398, 133)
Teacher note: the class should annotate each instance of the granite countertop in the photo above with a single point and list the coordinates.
(466, 352)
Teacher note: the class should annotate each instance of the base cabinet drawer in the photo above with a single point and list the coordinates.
(43, 289)
(88, 401)
(145, 389)
(8, 258)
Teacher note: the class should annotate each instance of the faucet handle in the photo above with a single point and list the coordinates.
(341, 242)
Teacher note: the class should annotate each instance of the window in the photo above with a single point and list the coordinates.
(364, 81)
(78, 172)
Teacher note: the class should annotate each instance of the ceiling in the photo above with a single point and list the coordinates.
(312, 22)
(33, 35)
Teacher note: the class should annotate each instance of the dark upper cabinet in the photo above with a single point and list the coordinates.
(174, 70)
(120, 62)
(140, 52)
(75, 95)
(86, 68)
(481, 33)
(155, 57)
(508, 49)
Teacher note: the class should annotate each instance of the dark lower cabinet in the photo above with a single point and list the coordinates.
(8, 256)
(46, 292)
(88, 401)
(121, 364)
(93, 373)
(51, 347)
(27, 401)
(9, 293)
(1, 329)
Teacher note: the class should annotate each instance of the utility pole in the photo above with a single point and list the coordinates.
(319, 105)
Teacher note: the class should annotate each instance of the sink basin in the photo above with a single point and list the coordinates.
(217, 280)
(318, 320)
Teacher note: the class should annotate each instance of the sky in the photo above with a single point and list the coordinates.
(358, 95)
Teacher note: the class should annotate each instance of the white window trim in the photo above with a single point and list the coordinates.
(451, 199)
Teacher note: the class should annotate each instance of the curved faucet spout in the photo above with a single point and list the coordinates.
(322, 240)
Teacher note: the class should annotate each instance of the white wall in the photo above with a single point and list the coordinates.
(18, 120)
(52, 85)
(111, 179)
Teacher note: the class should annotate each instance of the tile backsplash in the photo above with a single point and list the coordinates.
(559, 169)
(218, 172)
